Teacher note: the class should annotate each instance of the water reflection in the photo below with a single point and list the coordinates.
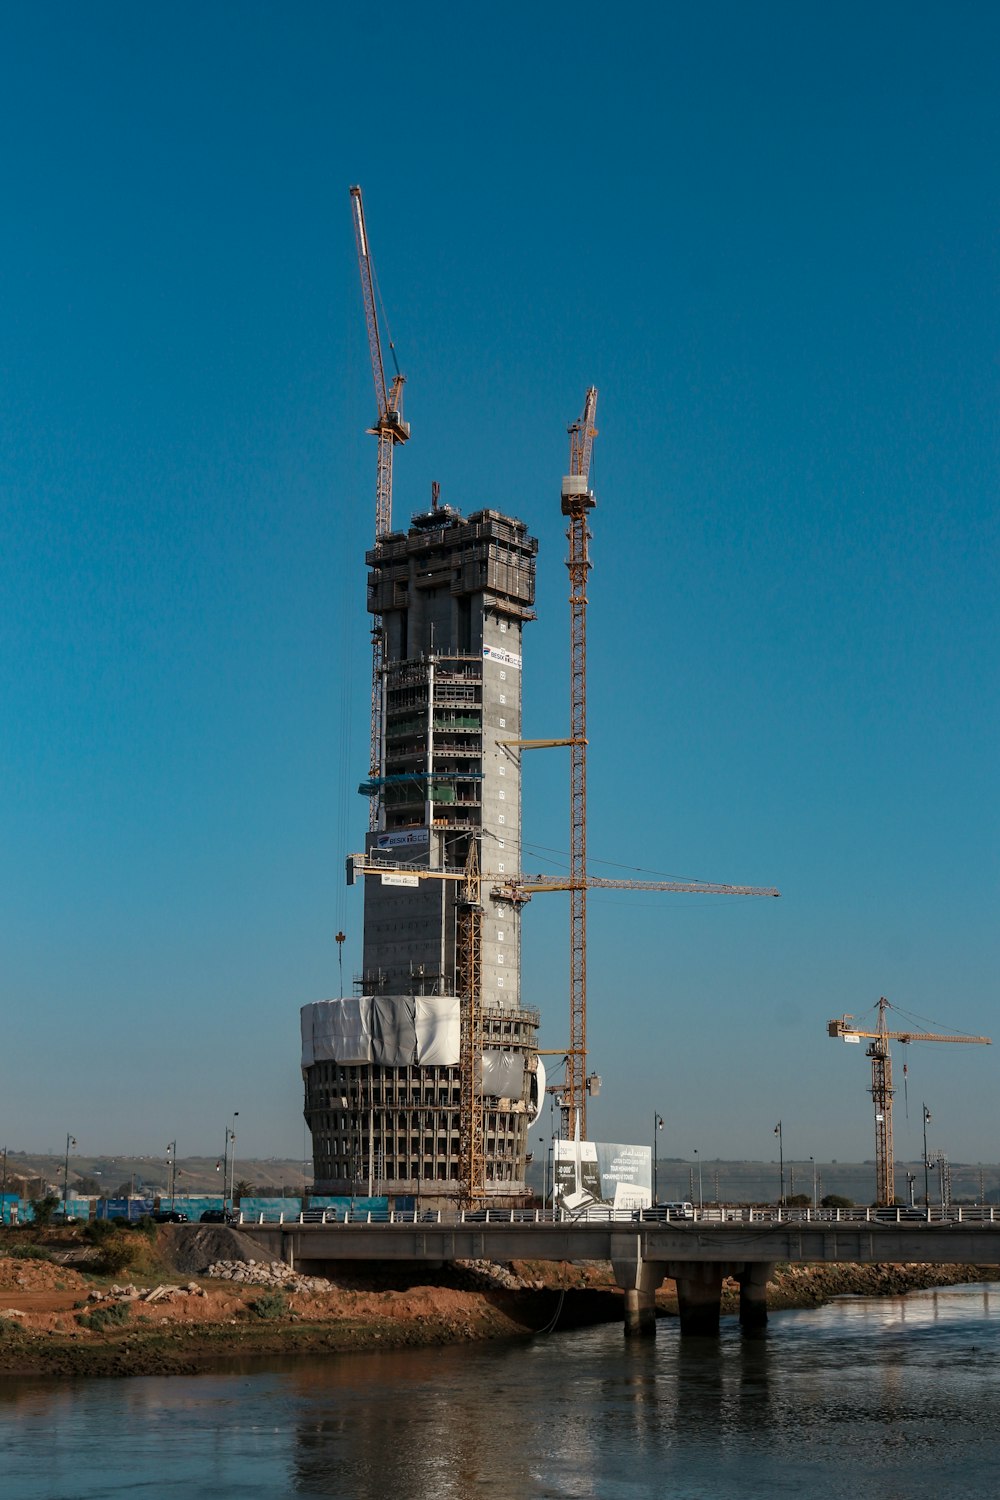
(883, 1399)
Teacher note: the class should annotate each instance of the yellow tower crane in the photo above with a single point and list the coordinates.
(390, 429)
(882, 1089)
(577, 501)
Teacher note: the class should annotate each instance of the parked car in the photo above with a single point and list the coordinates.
(168, 1216)
(664, 1211)
(219, 1216)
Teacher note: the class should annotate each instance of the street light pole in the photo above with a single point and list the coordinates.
(813, 1162)
(781, 1163)
(701, 1195)
(3, 1190)
(70, 1141)
(657, 1125)
(232, 1159)
(927, 1166)
(172, 1170)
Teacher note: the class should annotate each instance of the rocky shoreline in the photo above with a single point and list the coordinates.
(212, 1305)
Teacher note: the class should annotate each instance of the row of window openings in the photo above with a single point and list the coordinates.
(419, 1171)
(344, 1130)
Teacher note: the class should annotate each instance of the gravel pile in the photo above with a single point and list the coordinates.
(491, 1273)
(273, 1274)
(191, 1249)
(131, 1293)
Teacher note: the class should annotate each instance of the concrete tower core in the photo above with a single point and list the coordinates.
(381, 1068)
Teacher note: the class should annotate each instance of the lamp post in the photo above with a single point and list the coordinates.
(232, 1157)
(701, 1195)
(171, 1170)
(781, 1163)
(70, 1141)
(3, 1190)
(927, 1166)
(812, 1161)
(657, 1125)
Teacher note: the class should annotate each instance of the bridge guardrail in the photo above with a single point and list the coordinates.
(959, 1214)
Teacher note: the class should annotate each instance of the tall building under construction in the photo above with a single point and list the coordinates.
(383, 1081)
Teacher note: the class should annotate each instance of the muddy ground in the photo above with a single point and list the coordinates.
(165, 1313)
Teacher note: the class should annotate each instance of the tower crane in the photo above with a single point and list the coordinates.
(389, 429)
(577, 501)
(882, 1089)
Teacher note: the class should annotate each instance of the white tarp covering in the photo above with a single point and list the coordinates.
(391, 1031)
(341, 1030)
(503, 1074)
(351, 1019)
(439, 1030)
(306, 1023)
(394, 1031)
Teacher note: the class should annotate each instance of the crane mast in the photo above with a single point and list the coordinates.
(389, 429)
(882, 1089)
(472, 1163)
(577, 501)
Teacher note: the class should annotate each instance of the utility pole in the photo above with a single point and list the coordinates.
(927, 1165)
(781, 1163)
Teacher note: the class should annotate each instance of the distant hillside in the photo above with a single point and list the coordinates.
(759, 1182)
(148, 1175)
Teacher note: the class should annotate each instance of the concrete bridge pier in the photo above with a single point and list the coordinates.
(753, 1278)
(699, 1297)
(638, 1279)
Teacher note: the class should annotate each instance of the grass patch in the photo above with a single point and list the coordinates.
(269, 1306)
(29, 1252)
(102, 1318)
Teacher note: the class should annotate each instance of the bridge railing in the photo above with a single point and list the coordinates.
(601, 1214)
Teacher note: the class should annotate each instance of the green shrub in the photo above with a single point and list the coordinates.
(115, 1315)
(117, 1254)
(270, 1305)
(99, 1230)
(43, 1208)
(29, 1252)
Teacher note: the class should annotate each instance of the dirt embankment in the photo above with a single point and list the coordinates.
(199, 1297)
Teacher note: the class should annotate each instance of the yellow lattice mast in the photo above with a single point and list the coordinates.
(577, 502)
(882, 1089)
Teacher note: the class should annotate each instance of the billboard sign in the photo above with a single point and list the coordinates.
(601, 1175)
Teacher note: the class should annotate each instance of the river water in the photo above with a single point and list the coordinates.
(895, 1398)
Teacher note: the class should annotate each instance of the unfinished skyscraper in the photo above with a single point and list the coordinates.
(383, 1083)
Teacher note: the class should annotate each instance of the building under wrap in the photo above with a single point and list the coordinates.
(383, 1092)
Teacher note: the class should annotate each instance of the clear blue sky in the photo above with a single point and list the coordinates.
(768, 234)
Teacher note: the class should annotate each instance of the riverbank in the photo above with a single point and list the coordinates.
(196, 1301)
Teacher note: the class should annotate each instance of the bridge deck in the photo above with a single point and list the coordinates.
(858, 1242)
